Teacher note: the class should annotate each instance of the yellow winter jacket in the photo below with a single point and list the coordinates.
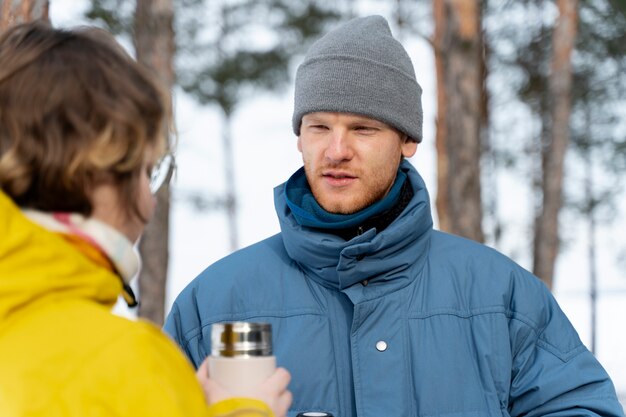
(62, 353)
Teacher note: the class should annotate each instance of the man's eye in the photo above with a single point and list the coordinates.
(319, 127)
(366, 129)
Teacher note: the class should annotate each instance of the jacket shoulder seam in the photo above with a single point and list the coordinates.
(540, 342)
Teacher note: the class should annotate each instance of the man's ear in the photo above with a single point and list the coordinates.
(299, 144)
(409, 146)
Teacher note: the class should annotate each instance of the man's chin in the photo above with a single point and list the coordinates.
(343, 207)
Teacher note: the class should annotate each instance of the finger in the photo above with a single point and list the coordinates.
(279, 380)
(283, 403)
(202, 373)
(214, 392)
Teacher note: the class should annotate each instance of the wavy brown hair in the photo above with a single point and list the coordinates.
(75, 110)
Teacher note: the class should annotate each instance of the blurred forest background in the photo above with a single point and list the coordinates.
(525, 118)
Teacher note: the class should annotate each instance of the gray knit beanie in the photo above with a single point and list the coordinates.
(360, 68)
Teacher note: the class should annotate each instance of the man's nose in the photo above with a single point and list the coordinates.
(339, 147)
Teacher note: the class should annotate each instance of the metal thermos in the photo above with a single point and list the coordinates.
(241, 355)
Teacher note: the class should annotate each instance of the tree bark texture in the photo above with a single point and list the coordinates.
(154, 44)
(14, 12)
(459, 64)
(546, 242)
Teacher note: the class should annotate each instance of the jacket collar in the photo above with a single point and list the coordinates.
(98, 241)
(394, 256)
(38, 265)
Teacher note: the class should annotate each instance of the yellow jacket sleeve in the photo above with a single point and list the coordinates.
(240, 407)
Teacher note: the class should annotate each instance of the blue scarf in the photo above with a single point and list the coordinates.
(309, 213)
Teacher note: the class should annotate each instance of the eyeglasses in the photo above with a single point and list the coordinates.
(162, 172)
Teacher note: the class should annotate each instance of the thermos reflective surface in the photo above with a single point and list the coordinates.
(241, 339)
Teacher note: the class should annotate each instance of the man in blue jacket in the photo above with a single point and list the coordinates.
(374, 313)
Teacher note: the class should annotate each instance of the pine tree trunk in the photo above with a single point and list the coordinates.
(460, 66)
(14, 12)
(154, 43)
(229, 177)
(546, 242)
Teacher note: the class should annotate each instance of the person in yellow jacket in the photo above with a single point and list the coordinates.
(81, 127)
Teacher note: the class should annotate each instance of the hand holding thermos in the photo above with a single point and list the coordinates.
(241, 364)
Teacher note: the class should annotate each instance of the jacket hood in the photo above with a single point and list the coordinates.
(38, 265)
(395, 254)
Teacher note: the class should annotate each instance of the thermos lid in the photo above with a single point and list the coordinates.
(241, 339)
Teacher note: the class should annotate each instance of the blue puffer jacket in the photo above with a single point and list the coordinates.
(406, 322)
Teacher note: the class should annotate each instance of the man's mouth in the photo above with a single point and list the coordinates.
(338, 178)
(338, 174)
